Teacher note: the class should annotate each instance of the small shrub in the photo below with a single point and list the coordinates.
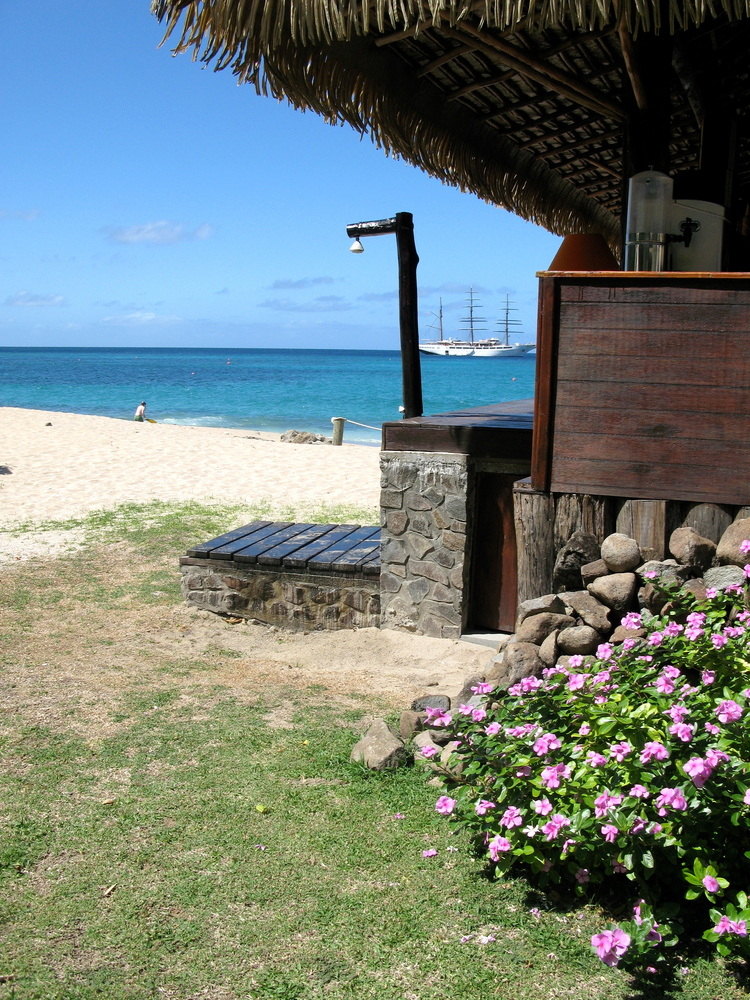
(624, 775)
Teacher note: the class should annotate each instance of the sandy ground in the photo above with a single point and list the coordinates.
(56, 466)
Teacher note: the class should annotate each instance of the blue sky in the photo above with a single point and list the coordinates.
(148, 201)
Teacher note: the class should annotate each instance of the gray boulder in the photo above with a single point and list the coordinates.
(591, 571)
(517, 660)
(539, 605)
(728, 549)
(667, 570)
(723, 576)
(304, 437)
(617, 591)
(380, 749)
(548, 651)
(589, 610)
(581, 639)
(441, 701)
(620, 552)
(465, 693)
(580, 549)
(536, 628)
(691, 549)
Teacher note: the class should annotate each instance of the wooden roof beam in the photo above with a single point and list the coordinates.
(614, 133)
(530, 67)
(446, 57)
(470, 88)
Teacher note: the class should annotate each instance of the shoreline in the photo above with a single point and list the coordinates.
(56, 465)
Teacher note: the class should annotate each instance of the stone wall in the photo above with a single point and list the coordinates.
(297, 601)
(424, 502)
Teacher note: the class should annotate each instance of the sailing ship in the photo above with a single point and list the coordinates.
(473, 345)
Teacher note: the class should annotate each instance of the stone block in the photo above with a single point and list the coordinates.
(691, 549)
(415, 501)
(580, 639)
(456, 577)
(445, 558)
(617, 591)
(389, 583)
(418, 590)
(441, 701)
(380, 749)
(581, 548)
(396, 522)
(550, 603)
(589, 610)
(422, 524)
(410, 724)
(435, 495)
(723, 576)
(440, 520)
(456, 507)
(393, 550)
(593, 570)
(429, 570)
(444, 595)
(391, 499)
(454, 541)
(418, 546)
(517, 660)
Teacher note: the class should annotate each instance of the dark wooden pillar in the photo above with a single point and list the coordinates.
(408, 323)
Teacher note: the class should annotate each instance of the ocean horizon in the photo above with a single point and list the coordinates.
(263, 389)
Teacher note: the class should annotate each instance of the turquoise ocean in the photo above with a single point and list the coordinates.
(262, 389)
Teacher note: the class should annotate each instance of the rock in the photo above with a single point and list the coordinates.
(620, 553)
(539, 605)
(668, 571)
(722, 577)
(695, 587)
(380, 749)
(439, 736)
(728, 549)
(690, 549)
(536, 628)
(593, 570)
(409, 724)
(589, 610)
(465, 693)
(548, 650)
(650, 599)
(441, 701)
(580, 549)
(517, 660)
(457, 766)
(581, 639)
(621, 633)
(617, 591)
(304, 437)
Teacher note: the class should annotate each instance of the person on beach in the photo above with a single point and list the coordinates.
(140, 412)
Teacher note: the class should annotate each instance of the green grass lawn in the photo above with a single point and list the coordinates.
(162, 837)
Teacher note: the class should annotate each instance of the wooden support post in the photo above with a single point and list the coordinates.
(581, 512)
(408, 323)
(338, 429)
(646, 522)
(534, 513)
(710, 520)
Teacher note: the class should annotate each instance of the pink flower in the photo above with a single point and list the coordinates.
(604, 651)
(497, 846)
(464, 709)
(483, 807)
(682, 731)
(429, 853)
(718, 641)
(604, 802)
(639, 792)
(553, 826)
(445, 805)
(631, 621)
(620, 751)
(693, 633)
(610, 946)
(728, 711)
(545, 743)
(576, 681)
(628, 643)
(437, 717)
(595, 759)
(656, 639)
(650, 574)
(746, 797)
(699, 771)
(673, 629)
(727, 926)
(670, 798)
(483, 688)
(677, 713)
(398, 816)
(551, 776)
(582, 876)
(746, 570)
(428, 751)
(585, 729)
(664, 685)
(492, 729)
(710, 884)
(655, 829)
(654, 750)
(511, 817)
(609, 833)
(479, 714)
(711, 728)
(711, 592)
(543, 806)
(638, 824)
(745, 546)
(575, 661)
(618, 867)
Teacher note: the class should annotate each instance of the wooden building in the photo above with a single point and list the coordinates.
(641, 417)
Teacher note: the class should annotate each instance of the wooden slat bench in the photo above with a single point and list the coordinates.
(297, 576)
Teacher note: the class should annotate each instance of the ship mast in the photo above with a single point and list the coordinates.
(505, 322)
(471, 320)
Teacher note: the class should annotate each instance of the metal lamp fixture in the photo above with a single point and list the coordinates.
(356, 247)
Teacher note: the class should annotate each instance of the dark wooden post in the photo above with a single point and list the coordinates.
(402, 224)
(408, 323)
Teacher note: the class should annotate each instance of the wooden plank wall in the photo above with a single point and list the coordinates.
(650, 387)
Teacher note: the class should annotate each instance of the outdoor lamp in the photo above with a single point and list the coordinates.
(356, 247)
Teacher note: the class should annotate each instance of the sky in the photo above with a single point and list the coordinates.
(146, 200)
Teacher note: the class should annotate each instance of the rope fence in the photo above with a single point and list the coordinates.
(338, 428)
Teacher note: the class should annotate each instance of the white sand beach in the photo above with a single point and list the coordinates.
(55, 466)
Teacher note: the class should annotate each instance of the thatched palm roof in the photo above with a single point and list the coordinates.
(519, 101)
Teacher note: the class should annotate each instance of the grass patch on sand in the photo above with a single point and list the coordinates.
(164, 835)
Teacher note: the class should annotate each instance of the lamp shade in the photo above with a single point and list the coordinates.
(584, 252)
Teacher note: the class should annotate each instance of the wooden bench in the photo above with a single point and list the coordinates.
(298, 576)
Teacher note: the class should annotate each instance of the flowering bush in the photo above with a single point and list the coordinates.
(625, 771)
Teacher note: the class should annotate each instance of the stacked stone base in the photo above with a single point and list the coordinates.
(295, 601)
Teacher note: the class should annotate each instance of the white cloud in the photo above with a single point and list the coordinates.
(32, 299)
(302, 282)
(323, 303)
(162, 233)
(141, 318)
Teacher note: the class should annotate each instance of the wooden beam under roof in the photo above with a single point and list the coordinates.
(446, 57)
(470, 88)
(614, 133)
(539, 71)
